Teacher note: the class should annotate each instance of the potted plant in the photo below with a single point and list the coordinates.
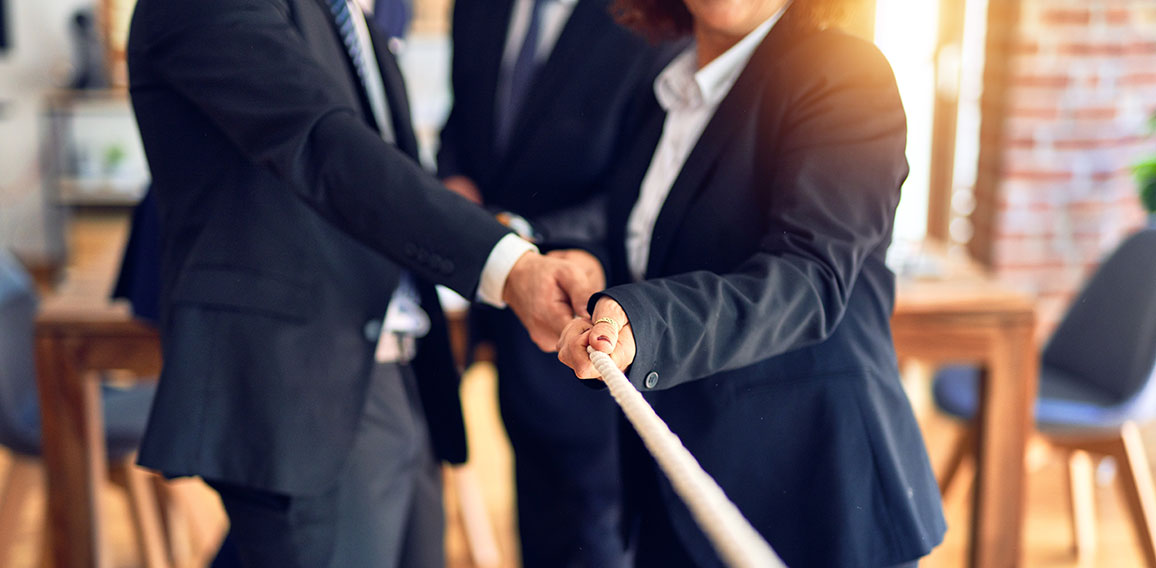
(1146, 179)
(114, 155)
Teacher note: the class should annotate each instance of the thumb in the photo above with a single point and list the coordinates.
(604, 336)
(577, 288)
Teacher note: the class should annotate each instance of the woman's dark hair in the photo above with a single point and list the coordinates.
(660, 20)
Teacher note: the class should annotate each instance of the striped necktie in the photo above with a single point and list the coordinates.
(355, 37)
(344, 19)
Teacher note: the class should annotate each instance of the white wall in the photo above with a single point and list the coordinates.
(38, 60)
(425, 63)
(905, 30)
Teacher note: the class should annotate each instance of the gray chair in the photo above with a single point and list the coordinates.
(125, 411)
(1097, 383)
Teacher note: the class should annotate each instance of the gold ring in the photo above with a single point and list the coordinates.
(610, 321)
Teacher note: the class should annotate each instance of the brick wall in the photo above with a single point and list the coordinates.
(1071, 84)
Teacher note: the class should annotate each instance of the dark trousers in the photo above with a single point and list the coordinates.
(384, 511)
(564, 437)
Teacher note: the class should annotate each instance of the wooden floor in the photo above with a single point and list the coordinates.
(1047, 542)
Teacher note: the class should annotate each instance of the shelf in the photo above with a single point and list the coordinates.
(99, 192)
(68, 96)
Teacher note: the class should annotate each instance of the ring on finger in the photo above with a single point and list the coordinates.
(608, 320)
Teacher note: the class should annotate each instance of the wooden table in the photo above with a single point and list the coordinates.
(78, 334)
(73, 343)
(964, 316)
(960, 317)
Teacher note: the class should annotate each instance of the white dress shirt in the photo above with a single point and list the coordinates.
(555, 14)
(374, 86)
(689, 97)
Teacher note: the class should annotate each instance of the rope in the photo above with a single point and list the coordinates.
(736, 541)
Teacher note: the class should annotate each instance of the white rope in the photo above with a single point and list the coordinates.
(736, 541)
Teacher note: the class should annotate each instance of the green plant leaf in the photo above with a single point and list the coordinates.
(1148, 194)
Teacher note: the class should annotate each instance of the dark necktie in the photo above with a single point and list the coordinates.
(521, 76)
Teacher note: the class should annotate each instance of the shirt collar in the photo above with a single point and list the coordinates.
(681, 87)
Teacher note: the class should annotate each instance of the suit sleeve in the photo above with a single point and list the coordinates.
(246, 67)
(832, 179)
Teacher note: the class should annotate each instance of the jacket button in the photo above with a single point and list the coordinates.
(651, 380)
(372, 330)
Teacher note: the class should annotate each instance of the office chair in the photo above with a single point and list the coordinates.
(125, 411)
(1097, 382)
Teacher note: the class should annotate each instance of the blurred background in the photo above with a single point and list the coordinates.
(1030, 122)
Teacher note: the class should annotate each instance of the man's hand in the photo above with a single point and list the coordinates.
(464, 187)
(608, 331)
(546, 293)
(587, 262)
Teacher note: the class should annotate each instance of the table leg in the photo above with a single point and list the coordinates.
(73, 435)
(1005, 418)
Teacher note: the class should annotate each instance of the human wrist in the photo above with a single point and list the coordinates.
(496, 272)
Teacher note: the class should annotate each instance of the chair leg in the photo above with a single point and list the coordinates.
(1136, 479)
(145, 515)
(964, 448)
(178, 531)
(23, 475)
(193, 539)
(480, 540)
(1081, 487)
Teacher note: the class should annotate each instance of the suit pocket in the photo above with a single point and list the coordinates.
(233, 288)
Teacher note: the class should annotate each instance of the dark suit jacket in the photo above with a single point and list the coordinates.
(575, 120)
(285, 218)
(763, 328)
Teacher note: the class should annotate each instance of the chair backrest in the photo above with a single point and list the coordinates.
(1108, 335)
(18, 403)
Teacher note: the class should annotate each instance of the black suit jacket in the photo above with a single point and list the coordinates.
(285, 219)
(580, 110)
(763, 328)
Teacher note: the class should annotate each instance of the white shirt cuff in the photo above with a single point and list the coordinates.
(501, 260)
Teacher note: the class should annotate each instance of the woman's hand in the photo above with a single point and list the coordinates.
(608, 331)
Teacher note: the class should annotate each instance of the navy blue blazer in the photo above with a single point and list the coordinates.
(285, 222)
(763, 327)
(587, 88)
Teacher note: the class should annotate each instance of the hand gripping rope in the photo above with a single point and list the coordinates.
(736, 541)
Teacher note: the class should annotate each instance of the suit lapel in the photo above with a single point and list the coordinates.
(347, 63)
(395, 94)
(391, 80)
(735, 109)
(490, 60)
